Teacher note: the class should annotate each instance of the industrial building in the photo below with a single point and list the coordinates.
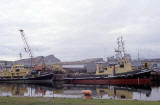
(83, 66)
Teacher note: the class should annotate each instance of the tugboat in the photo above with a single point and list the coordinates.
(19, 74)
(119, 72)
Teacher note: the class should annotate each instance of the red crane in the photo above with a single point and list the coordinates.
(27, 47)
(29, 51)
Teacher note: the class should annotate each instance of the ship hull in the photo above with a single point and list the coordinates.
(42, 79)
(139, 81)
(138, 78)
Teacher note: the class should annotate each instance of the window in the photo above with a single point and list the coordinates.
(101, 71)
(145, 65)
(155, 65)
(17, 70)
(121, 65)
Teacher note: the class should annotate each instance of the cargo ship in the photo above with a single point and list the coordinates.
(119, 72)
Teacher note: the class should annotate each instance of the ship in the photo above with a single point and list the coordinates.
(119, 72)
(37, 72)
(19, 74)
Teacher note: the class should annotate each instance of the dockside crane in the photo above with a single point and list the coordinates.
(27, 47)
(29, 51)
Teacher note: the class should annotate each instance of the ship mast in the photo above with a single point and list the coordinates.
(20, 56)
(120, 51)
(122, 46)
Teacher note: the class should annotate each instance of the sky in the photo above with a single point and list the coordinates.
(79, 29)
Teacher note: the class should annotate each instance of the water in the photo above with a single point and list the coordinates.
(74, 91)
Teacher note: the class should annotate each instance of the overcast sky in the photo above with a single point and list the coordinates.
(79, 29)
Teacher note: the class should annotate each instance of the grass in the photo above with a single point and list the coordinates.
(70, 101)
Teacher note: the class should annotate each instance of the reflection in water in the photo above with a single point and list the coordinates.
(122, 92)
(74, 91)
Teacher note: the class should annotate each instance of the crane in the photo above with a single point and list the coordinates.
(27, 47)
(29, 51)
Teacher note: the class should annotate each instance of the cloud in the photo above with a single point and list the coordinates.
(73, 30)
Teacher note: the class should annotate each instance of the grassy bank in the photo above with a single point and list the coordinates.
(68, 101)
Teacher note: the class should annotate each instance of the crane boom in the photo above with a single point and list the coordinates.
(27, 47)
(29, 51)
